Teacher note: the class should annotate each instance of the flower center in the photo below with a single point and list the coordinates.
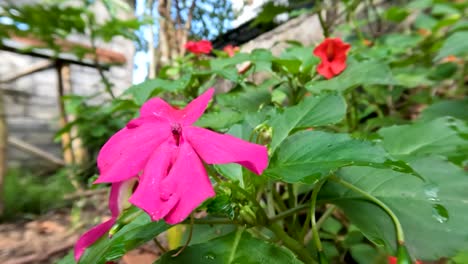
(176, 130)
(330, 53)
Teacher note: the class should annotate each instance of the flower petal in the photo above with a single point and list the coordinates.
(191, 184)
(88, 238)
(126, 152)
(325, 70)
(148, 196)
(195, 108)
(159, 108)
(117, 198)
(215, 148)
(174, 195)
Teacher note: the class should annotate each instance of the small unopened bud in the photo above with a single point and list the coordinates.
(248, 216)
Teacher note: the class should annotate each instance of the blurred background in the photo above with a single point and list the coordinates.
(65, 67)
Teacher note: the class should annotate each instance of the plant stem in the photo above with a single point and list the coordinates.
(237, 239)
(323, 24)
(289, 212)
(262, 213)
(320, 222)
(292, 244)
(396, 222)
(211, 221)
(292, 201)
(313, 202)
(159, 245)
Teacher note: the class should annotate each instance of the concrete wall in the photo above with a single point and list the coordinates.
(32, 101)
(305, 29)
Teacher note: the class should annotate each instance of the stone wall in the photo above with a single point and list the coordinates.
(305, 29)
(31, 102)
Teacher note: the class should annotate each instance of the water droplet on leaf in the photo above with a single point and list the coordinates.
(432, 192)
(440, 213)
(210, 256)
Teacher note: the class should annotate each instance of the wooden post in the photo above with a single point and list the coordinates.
(72, 150)
(64, 87)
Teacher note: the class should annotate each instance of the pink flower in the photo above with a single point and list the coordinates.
(332, 52)
(230, 50)
(118, 196)
(165, 150)
(199, 47)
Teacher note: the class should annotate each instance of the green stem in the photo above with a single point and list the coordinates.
(292, 201)
(313, 203)
(237, 238)
(396, 222)
(211, 221)
(279, 200)
(323, 24)
(292, 244)
(289, 212)
(320, 222)
(262, 213)
(325, 215)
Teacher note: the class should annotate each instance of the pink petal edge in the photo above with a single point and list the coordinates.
(215, 148)
(192, 184)
(125, 154)
(119, 193)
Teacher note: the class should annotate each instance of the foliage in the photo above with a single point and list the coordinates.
(356, 171)
(24, 192)
(27, 20)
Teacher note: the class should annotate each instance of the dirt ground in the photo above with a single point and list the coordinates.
(50, 237)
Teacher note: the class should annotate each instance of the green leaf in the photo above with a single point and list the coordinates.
(249, 100)
(455, 108)
(357, 73)
(143, 91)
(396, 14)
(219, 120)
(443, 71)
(68, 259)
(249, 250)
(220, 63)
(455, 45)
(309, 155)
(432, 212)
(319, 110)
(303, 54)
(440, 136)
(365, 254)
(139, 231)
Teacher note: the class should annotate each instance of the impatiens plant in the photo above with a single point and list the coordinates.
(332, 52)
(364, 163)
(199, 47)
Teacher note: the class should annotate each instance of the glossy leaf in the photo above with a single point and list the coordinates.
(309, 155)
(439, 136)
(454, 108)
(320, 110)
(455, 45)
(431, 211)
(219, 120)
(249, 250)
(143, 91)
(357, 73)
(139, 231)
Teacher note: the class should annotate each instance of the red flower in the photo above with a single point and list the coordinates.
(393, 260)
(199, 47)
(332, 52)
(231, 50)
